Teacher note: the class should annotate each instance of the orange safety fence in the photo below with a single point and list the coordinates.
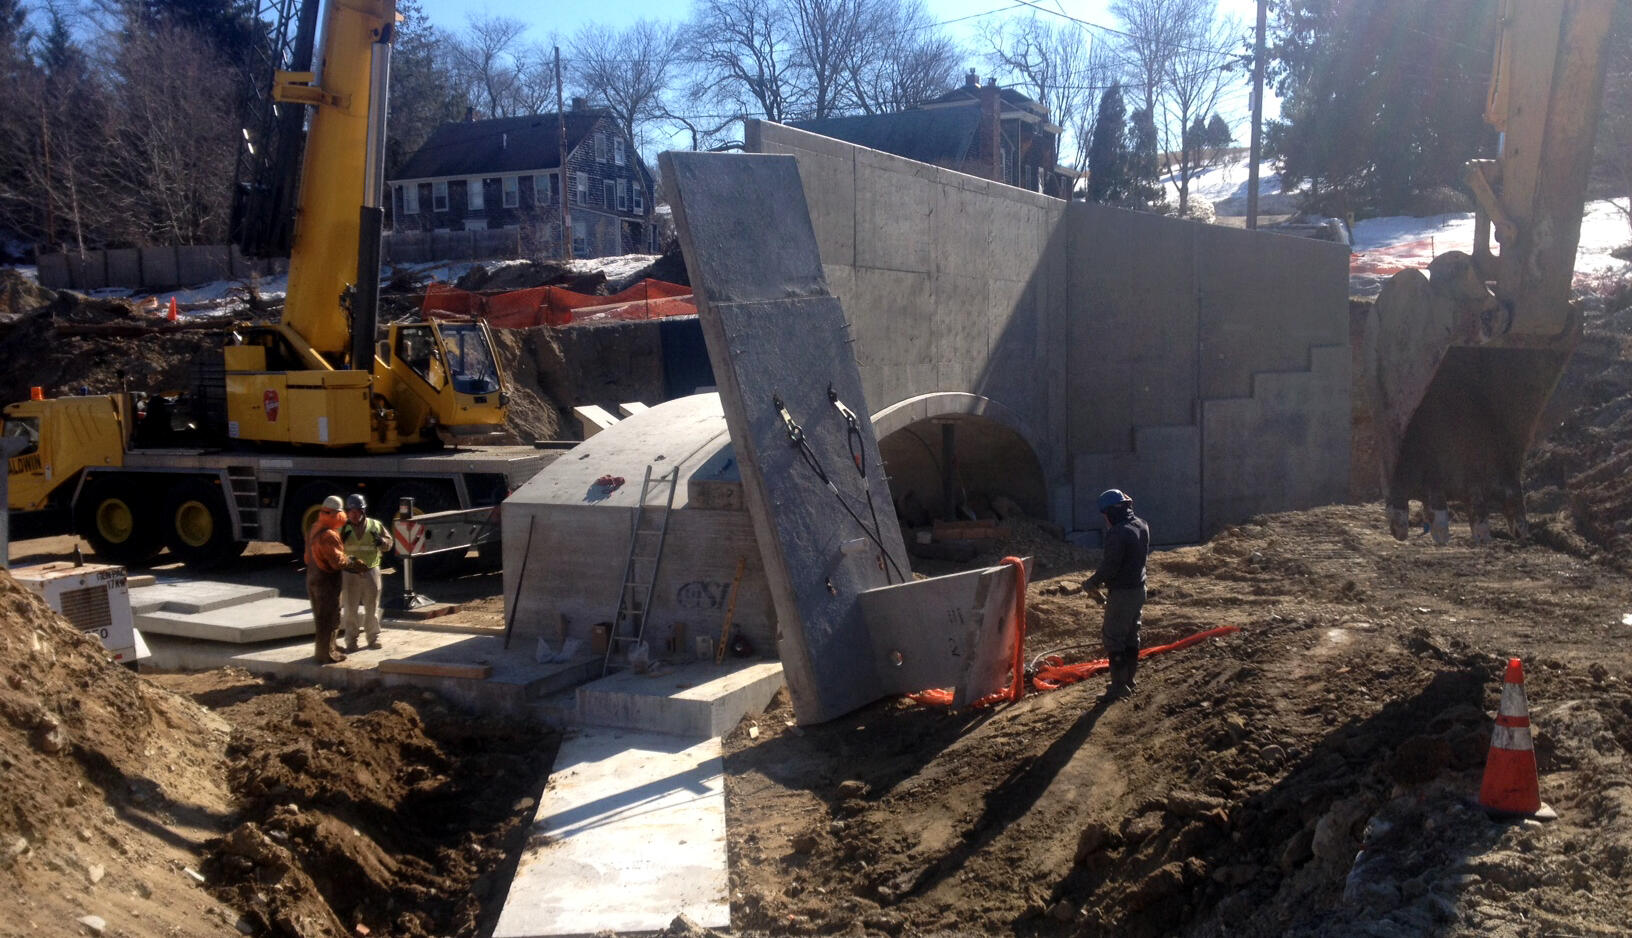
(1055, 673)
(555, 306)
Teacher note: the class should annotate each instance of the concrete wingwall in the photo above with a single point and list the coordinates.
(1204, 369)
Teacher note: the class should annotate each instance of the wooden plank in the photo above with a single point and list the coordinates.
(475, 672)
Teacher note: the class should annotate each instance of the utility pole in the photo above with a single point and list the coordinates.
(1257, 117)
(561, 171)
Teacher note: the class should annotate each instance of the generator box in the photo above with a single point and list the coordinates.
(94, 597)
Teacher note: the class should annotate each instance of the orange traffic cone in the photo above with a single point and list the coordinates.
(1510, 786)
(175, 311)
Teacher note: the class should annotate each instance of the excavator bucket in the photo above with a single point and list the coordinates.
(1460, 363)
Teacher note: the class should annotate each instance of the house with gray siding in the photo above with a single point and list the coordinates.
(511, 172)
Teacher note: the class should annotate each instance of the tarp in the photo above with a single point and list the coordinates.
(556, 306)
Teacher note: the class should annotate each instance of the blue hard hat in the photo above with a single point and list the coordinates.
(1110, 498)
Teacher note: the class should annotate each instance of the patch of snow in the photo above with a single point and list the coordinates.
(615, 268)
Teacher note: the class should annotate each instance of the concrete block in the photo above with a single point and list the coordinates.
(52, 269)
(159, 268)
(696, 699)
(258, 621)
(630, 408)
(593, 418)
(124, 267)
(191, 597)
(952, 631)
(629, 833)
(202, 263)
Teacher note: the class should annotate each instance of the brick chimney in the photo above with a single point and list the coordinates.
(470, 114)
(971, 80)
(991, 130)
(580, 104)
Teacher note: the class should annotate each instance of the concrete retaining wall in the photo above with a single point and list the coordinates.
(1189, 364)
(160, 268)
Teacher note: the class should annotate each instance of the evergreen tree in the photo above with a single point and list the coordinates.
(1381, 99)
(1106, 163)
(424, 89)
(1144, 163)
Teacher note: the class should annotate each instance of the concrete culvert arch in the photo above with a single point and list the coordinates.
(994, 457)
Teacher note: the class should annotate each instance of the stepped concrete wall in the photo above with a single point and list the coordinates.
(1201, 368)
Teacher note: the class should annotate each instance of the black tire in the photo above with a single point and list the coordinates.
(197, 525)
(119, 523)
(427, 498)
(300, 512)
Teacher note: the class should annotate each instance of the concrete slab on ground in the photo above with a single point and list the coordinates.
(517, 681)
(633, 829)
(260, 620)
(170, 594)
(695, 699)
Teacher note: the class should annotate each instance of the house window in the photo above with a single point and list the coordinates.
(639, 198)
(600, 148)
(439, 196)
(580, 238)
(609, 194)
(410, 199)
(617, 151)
(475, 197)
(512, 195)
(542, 189)
(581, 188)
(623, 195)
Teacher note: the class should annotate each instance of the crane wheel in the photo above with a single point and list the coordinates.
(198, 527)
(118, 523)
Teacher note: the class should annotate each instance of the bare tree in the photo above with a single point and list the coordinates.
(1156, 31)
(1198, 72)
(828, 36)
(490, 59)
(629, 71)
(746, 57)
(1058, 65)
(904, 59)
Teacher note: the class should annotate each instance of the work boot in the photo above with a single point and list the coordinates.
(333, 657)
(351, 645)
(374, 643)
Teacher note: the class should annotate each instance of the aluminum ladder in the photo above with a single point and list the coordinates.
(647, 533)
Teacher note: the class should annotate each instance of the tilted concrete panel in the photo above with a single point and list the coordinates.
(780, 350)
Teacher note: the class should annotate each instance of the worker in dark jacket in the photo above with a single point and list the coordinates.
(326, 561)
(1122, 573)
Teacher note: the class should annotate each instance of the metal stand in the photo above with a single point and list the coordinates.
(408, 600)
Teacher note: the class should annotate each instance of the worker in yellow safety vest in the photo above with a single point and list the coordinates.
(365, 540)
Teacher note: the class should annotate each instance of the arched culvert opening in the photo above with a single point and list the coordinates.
(990, 462)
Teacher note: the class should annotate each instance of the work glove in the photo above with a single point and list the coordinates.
(353, 565)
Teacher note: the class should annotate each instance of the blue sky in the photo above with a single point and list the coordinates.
(558, 21)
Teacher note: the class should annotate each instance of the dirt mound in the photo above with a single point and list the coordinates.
(20, 295)
(519, 275)
(397, 814)
(1308, 775)
(49, 349)
(105, 783)
(1582, 461)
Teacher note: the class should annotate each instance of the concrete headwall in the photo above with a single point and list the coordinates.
(1204, 369)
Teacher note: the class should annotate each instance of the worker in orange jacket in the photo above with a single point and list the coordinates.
(325, 561)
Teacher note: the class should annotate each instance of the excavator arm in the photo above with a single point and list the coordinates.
(1460, 363)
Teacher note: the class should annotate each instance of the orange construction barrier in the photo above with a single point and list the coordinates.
(1510, 785)
(554, 306)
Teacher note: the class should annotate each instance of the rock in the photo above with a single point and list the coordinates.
(247, 926)
(95, 872)
(851, 788)
(683, 927)
(1141, 828)
(1090, 841)
(94, 924)
(49, 736)
(1298, 850)
(1062, 911)
(1193, 804)
(14, 848)
(1334, 840)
